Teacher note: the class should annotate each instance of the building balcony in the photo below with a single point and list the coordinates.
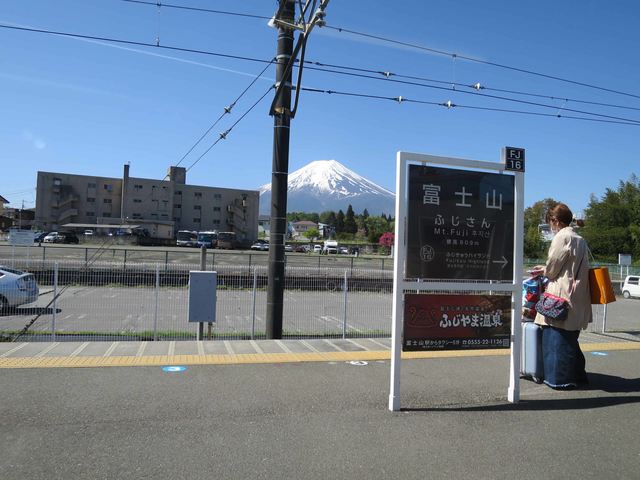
(72, 212)
(236, 224)
(237, 211)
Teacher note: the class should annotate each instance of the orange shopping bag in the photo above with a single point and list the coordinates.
(600, 286)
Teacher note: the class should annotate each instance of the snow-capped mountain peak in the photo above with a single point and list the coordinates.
(328, 185)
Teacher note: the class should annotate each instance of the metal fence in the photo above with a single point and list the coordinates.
(143, 301)
(135, 255)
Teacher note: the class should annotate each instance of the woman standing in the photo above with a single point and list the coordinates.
(568, 272)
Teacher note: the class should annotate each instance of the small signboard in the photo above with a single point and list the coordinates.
(21, 237)
(514, 159)
(624, 259)
(456, 322)
(460, 224)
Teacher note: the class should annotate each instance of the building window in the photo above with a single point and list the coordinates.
(106, 200)
(178, 192)
(196, 220)
(216, 209)
(57, 181)
(154, 215)
(108, 187)
(138, 187)
(137, 200)
(165, 217)
(91, 200)
(136, 215)
(106, 215)
(92, 185)
(91, 214)
(216, 223)
(217, 196)
(165, 188)
(197, 194)
(177, 205)
(197, 207)
(55, 212)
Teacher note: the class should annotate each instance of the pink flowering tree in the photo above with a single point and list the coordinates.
(386, 240)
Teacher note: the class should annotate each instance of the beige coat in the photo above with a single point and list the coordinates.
(567, 260)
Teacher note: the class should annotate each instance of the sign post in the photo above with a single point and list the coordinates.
(463, 224)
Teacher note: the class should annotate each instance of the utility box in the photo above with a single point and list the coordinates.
(202, 296)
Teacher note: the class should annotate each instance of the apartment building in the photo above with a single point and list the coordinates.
(63, 199)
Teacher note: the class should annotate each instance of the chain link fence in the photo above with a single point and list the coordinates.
(111, 300)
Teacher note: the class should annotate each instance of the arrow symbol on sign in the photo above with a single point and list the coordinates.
(504, 261)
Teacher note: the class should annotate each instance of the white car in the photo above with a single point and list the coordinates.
(16, 288)
(51, 237)
(343, 251)
(288, 248)
(631, 286)
(260, 246)
(88, 232)
(317, 249)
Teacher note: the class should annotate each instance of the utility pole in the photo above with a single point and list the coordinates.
(280, 173)
(282, 113)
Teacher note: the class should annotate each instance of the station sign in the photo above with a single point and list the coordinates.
(460, 224)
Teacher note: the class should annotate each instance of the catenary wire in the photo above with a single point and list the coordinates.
(451, 105)
(312, 68)
(419, 47)
(472, 93)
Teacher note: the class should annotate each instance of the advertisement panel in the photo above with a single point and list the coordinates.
(456, 322)
(460, 224)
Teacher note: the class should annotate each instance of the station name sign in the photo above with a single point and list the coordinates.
(460, 224)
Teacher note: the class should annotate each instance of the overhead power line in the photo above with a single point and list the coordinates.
(379, 78)
(405, 44)
(450, 105)
(495, 97)
(140, 44)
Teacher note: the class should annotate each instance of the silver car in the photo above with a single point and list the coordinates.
(16, 288)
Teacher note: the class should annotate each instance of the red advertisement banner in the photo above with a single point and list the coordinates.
(456, 322)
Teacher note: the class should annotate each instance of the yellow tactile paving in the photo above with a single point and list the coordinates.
(218, 359)
(159, 360)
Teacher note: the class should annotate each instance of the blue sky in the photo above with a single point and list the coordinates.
(89, 106)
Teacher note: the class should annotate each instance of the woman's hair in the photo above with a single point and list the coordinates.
(561, 213)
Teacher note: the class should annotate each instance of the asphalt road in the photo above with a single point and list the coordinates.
(319, 421)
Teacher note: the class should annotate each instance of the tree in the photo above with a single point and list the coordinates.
(340, 222)
(350, 225)
(534, 243)
(387, 240)
(365, 214)
(312, 234)
(612, 224)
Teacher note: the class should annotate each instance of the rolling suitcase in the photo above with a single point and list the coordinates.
(531, 354)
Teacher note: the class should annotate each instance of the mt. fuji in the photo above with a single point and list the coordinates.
(327, 185)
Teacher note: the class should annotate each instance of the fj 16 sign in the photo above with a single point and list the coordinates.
(460, 224)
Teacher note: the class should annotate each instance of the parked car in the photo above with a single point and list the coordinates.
(89, 232)
(66, 237)
(16, 288)
(303, 248)
(343, 251)
(123, 232)
(50, 237)
(631, 287)
(260, 245)
(288, 248)
(317, 249)
(40, 237)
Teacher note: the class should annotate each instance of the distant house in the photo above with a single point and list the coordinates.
(5, 222)
(264, 225)
(2, 202)
(298, 229)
